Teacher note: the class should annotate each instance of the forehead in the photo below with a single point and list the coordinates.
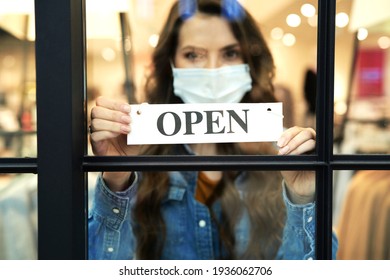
(206, 31)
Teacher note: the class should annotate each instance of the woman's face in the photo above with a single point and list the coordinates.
(207, 42)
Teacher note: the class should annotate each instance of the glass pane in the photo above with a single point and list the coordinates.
(361, 214)
(17, 80)
(362, 91)
(18, 217)
(202, 215)
(120, 49)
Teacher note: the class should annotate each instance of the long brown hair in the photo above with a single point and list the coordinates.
(254, 48)
(263, 202)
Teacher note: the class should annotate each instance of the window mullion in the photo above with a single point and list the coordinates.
(61, 135)
(324, 125)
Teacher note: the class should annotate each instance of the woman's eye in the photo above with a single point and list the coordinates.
(191, 55)
(232, 54)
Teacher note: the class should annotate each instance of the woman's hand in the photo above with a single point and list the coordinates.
(110, 123)
(300, 184)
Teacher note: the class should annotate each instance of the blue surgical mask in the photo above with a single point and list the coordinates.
(227, 84)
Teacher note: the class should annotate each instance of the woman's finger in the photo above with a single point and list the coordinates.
(99, 112)
(102, 135)
(297, 140)
(98, 125)
(105, 102)
(303, 148)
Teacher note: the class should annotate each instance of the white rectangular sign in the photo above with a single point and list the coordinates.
(205, 123)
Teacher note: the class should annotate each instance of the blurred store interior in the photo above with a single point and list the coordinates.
(121, 35)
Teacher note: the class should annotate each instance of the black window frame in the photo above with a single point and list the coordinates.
(62, 163)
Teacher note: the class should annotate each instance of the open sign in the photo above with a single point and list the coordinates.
(205, 123)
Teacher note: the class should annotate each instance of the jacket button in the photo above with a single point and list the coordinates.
(202, 223)
(110, 249)
(115, 210)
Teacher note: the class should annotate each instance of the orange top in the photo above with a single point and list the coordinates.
(205, 187)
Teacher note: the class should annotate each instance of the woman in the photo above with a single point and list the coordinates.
(207, 214)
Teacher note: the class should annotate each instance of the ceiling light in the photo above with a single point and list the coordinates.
(384, 42)
(293, 20)
(289, 39)
(308, 10)
(108, 54)
(342, 20)
(362, 34)
(277, 33)
(312, 21)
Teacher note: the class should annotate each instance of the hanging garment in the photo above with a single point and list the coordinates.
(364, 217)
(18, 219)
(380, 237)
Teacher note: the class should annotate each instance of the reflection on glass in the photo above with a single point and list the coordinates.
(362, 92)
(362, 209)
(287, 55)
(210, 214)
(202, 215)
(17, 80)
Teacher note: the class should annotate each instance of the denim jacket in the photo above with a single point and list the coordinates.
(190, 232)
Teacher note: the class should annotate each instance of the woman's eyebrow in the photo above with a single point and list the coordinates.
(232, 46)
(192, 48)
